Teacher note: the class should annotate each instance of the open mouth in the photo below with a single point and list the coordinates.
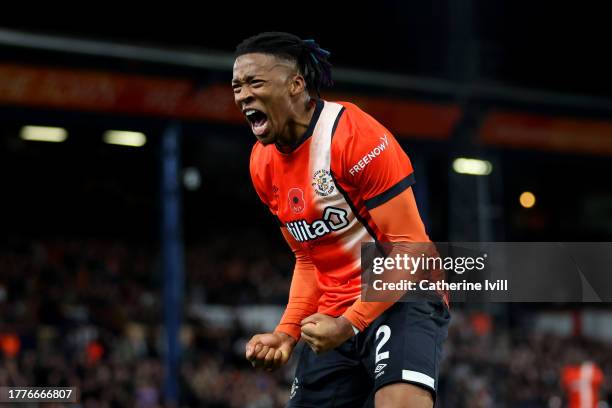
(258, 121)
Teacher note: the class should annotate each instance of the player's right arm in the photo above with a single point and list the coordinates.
(304, 293)
(272, 350)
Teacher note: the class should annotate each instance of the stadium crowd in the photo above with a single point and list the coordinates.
(87, 314)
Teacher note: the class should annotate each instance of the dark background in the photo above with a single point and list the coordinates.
(80, 234)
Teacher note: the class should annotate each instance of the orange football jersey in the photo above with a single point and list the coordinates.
(581, 384)
(323, 191)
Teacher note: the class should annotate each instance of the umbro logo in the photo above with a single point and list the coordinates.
(294, 388)
(379, 368)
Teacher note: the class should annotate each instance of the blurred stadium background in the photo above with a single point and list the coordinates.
(135, 266)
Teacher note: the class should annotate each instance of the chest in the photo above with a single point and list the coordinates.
(304, 189)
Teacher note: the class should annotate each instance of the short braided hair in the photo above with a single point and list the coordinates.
(312, 60)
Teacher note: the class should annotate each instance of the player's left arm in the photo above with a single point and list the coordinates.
(384, 182)
(399, 219)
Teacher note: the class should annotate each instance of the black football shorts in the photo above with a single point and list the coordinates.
(404, 344)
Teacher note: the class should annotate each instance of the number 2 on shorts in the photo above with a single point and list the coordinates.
(386, 335)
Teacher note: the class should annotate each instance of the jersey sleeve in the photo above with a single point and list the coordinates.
(371, 159)
(257, 176)
(399, 220)
(304, 293)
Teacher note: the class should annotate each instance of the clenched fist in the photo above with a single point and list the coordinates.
(269, 351)
(323, 333)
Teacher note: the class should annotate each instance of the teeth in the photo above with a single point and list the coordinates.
(250, 112)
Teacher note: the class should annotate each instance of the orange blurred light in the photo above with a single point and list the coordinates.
(95, 351)
(10, 345)
(527, 199)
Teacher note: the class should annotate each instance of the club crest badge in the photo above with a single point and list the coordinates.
(296, 200)
(322, 183)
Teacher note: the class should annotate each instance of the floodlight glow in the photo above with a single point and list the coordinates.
(43, 134)
(191, 178)
(474, 167)
(124, 138)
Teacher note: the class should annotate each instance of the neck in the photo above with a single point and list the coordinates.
(297, 127)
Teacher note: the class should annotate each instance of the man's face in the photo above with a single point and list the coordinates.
(262, 92)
